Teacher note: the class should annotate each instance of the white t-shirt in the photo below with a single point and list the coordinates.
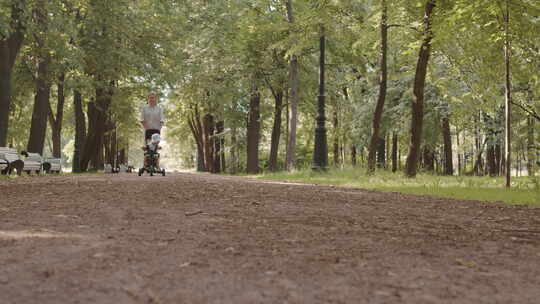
(153, 116)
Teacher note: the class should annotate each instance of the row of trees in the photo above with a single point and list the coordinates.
(410, 83)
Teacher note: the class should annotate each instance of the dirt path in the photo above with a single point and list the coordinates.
(191, 238)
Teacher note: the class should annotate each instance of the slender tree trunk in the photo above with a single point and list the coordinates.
(293, 85)
(80, 131)
(253, 132)
(9, 49)
(208, 139)
(218, 143)
(508, 98)
(531, 157)
(276, 131)
(382, 89)
(335, 123)
(381, 153)
(447, 139)
(418, 93)
(56, 122)
(394, 152)
(353, 155)
(234, 149)
(429, 159)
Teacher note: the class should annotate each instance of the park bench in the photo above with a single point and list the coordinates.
(32, 163)
(10, 160)
(52, 165)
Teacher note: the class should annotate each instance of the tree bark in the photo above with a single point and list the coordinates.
(353, 155)
(276, 131)
(394, 152)
(418, 93)
(40, 112)
(56, 121)
(194, 122)
(381, 153)
(9, 49)
(218, 143)
(80, 131)
(97, 117)
(293, 85)
(253, 132)
(447, 139)
(208, 142)
(335, 123)
(508, 99)
(382, 89)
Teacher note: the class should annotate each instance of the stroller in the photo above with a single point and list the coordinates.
(151, 157)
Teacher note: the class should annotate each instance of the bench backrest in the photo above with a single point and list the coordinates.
(9, 154)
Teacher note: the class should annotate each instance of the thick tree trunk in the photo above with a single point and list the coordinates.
(276, 131)
(56, 122)
(253, 132)
(9, 49)
(293, 85)
(394, 152)
(195, 125)
(97, 117)
(40, 113)
(447, 139)
(80, 131)
(382, 89)
(418, 93)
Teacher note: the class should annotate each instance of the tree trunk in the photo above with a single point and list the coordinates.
(429, 159)
(335, 123)
(97, 117)
(394, 152)
(56, 122)
(276, 131)
(418, 93)
(447, 139)
(531, 157)
(382, 89)
(80, 131)
(381, 153)
(208, 142)
(353, 155)
(234, 149)
(9, 49)
(194, 122)
(508, 98)
(40, 113)
(218, 144)
(253, 132)
(293, 85)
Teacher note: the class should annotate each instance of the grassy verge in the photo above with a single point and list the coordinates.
(524, 190)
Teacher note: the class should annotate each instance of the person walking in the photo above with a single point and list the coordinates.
(152, 117)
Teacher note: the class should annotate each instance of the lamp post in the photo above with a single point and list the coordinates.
(320, 153)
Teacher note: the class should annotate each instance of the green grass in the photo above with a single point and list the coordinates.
(524, 190)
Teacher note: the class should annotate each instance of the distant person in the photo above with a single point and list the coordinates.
(152, 117)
